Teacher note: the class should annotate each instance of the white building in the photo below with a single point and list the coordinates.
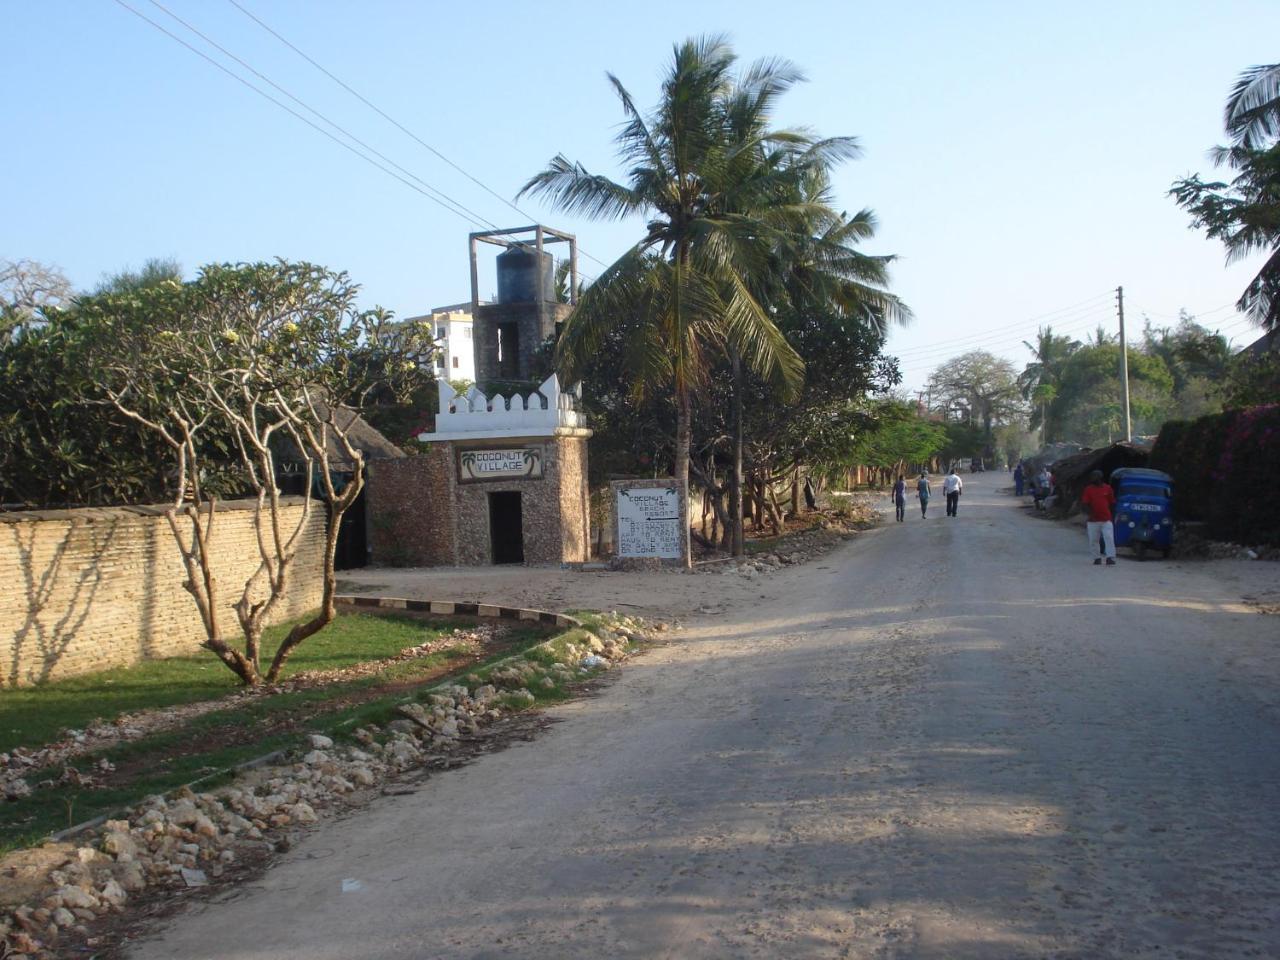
(452, 332)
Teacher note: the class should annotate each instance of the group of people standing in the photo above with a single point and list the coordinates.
(952, 485)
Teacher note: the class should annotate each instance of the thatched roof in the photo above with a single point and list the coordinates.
(1072, 473)
(363, 436)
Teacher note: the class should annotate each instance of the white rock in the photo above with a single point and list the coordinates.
(64, 917)
(120, 845)
(76, 898)
(320, 742)
(183, 813)
(362, 775)
(303, 812)
(316, 757)
(113, 894)
(204, 826)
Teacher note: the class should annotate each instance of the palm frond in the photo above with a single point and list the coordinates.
(1252, 115)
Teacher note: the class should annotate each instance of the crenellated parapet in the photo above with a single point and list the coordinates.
(547, 411)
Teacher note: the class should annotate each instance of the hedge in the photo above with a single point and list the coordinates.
(1245, 508)
(1189, 450)
(1223, 467)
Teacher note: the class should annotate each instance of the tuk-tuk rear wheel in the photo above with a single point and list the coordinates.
(1141, 550)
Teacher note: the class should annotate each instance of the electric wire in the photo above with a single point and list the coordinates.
(471, 215)
(1064, 325)
(913, 364)
(1060, 315)
(285, 107)
(395, 123)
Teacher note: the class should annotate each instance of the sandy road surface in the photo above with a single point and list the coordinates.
(952, 738)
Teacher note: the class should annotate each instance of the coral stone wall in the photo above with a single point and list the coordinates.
(410, 513)
(83, 590)
(423, 515)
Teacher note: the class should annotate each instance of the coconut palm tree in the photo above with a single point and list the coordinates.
(1252, 115)
(1245, 213)
(684, 289)
(1045, 371)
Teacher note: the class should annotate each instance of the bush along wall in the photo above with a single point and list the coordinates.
(1244, 507)
(1189, 451)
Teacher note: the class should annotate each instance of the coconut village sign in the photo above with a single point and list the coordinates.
(524, 463)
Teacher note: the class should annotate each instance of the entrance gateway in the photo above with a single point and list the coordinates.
(504, 476)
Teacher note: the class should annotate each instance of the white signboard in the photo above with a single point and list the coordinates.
(499, 464)
(649, 522)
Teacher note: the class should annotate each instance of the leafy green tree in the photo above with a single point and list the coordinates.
(1245, 213)
(1088, 400)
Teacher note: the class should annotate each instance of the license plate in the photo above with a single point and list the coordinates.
(1149, 507)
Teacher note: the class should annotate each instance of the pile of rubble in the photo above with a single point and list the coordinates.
(189, 839)
(796, 549)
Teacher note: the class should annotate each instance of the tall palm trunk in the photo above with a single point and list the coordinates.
(684, 436)
(736, 539)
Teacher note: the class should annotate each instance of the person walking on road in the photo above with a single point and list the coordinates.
(899, 498)
(951, 487)
(1098, 501)
(922, 491)
(1017, 480)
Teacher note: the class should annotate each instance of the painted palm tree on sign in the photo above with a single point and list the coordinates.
(683, 292)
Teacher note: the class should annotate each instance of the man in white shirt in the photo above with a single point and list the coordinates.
(951, 486)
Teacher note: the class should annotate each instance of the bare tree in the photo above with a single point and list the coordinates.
(278, 358)
(28, 287)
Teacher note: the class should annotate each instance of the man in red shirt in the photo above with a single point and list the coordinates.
(1098, 501)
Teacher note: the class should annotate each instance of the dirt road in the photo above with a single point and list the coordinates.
(953, 738)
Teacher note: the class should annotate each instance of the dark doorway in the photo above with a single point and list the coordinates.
(508, 351)
(506, 533)
(352, 548)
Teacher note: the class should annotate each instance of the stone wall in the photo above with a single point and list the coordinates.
(422, 515)
(409, 508)
(90, 589)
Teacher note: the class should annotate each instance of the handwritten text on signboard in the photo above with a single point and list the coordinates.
(649, 522)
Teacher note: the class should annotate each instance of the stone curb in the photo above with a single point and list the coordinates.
(459, 608)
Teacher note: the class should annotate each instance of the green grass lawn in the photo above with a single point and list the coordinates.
(34, 716)
(206, 745)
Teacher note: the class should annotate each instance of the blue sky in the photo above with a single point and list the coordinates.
(1017, 155)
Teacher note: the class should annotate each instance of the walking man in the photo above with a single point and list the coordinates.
(922, 491)
(899, 498)
(1017, 480)
(1098, 501)
(951, 487)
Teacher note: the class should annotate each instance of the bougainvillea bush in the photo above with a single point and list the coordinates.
(1189, 451)
(1244, 506)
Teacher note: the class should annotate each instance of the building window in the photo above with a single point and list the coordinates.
(455, 363)
(466, 333)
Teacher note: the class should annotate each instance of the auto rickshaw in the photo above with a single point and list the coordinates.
(1144, 510)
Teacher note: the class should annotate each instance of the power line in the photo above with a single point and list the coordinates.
(291, 111)
(1061, 314)
(922, 362)
(440, 195)
(395, 123)
(1064, 324)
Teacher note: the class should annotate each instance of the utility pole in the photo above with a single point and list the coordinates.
(1124, 367)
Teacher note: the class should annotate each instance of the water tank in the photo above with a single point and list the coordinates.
(518, 275)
